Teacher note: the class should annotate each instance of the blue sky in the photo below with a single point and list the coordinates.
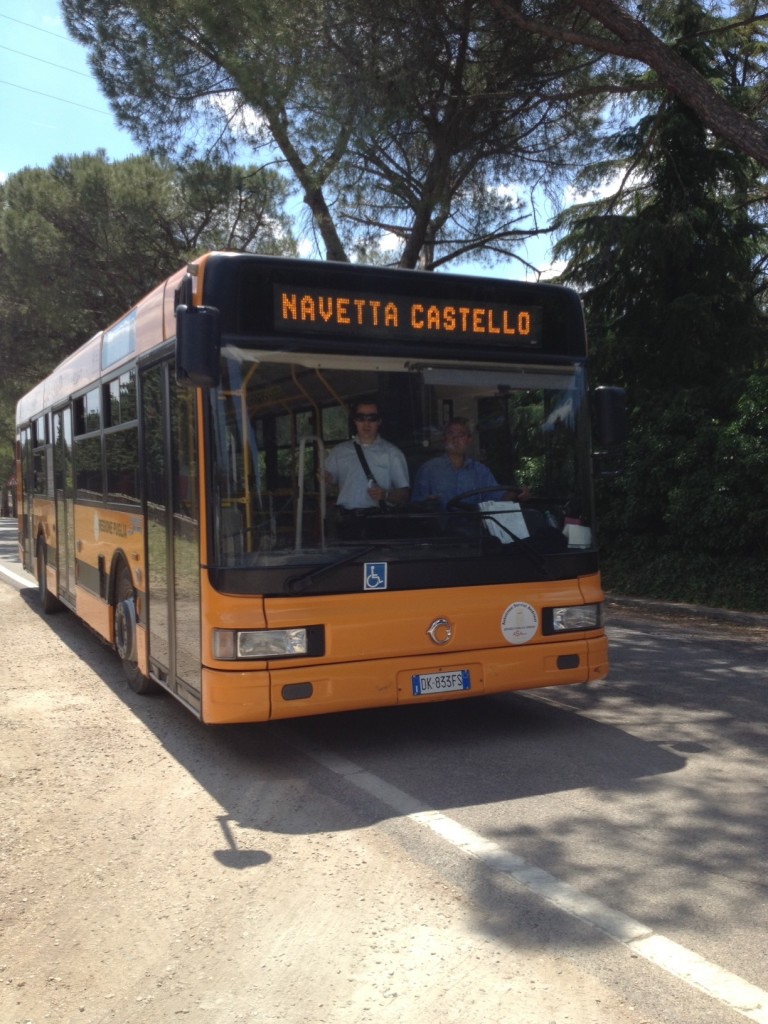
(50, 104)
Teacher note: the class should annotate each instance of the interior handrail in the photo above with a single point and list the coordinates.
(310, 439)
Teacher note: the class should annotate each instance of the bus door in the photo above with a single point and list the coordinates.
(24, 491)
(173, 549)
(65, 503)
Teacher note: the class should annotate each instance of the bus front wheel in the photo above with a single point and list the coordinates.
(48, 602)
(126, 643)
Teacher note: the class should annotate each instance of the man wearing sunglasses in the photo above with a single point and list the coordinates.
(369, 472)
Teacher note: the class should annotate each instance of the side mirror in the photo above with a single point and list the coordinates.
(611, 416)
(198, 346)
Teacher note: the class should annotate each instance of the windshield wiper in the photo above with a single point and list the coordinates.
(297, 584)
(524, 543)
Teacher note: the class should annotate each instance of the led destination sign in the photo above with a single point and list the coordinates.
(368, 314)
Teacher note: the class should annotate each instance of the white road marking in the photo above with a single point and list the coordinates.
(25, 581)
(727, 988)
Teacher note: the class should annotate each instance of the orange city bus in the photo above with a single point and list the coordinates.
(172, 491)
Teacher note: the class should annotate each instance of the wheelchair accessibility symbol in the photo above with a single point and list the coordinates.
(375, 576)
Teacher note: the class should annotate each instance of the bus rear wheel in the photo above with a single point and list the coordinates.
(48, 602)
(126, 643)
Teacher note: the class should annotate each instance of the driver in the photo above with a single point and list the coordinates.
(454, 473)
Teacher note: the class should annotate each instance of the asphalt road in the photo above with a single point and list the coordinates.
(578, 855)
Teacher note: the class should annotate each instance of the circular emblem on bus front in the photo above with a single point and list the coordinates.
(440, 632)
(519, 622)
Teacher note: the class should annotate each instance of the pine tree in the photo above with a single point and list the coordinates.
(671, 270)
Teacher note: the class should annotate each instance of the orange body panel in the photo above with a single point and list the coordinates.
(241, 696)
(106, 533)
(95, 612)
(44, 522)
(375, 643)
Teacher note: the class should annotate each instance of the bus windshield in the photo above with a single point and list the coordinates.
(276, 417)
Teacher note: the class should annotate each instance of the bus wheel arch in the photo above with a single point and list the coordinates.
(48, 602)
(124, 621)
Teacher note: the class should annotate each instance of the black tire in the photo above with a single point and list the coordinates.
(48, 602)
(124, 618)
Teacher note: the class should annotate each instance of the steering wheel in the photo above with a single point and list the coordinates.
(459, 501)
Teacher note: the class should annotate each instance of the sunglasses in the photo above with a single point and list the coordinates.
(367, 417)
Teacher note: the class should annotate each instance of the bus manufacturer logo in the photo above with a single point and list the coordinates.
(440, 632)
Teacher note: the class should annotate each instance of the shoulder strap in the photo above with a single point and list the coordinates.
(364, 462)
(367, 470)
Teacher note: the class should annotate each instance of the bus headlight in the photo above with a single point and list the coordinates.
(230, 644)
(577, 616)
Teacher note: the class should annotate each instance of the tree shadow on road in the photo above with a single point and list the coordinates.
(640, 813)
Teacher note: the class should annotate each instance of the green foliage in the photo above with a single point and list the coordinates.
(701, 578)
(672, 273)
(83, 240)
(688, 519)
(402, 124)
(668, 268)
(672, 266)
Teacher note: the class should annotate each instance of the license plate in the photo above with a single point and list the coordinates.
(440, 682)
